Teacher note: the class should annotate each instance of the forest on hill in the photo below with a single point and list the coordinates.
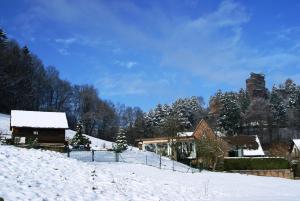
(26, 84)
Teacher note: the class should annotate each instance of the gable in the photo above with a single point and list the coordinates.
(203, 129)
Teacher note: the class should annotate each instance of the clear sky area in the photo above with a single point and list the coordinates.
(143, 52)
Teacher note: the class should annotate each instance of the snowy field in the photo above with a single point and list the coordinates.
(4, 123)
(96, 142)
(45, 175)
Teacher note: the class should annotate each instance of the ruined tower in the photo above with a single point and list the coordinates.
(256, 86)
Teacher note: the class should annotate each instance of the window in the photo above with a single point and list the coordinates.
(35, 132)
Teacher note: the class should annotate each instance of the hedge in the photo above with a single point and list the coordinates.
(255, 164)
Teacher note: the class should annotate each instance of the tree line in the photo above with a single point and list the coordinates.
(234, 113)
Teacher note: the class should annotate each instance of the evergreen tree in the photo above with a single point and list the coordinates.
(79, 138)
(278, 107)
(121, 142)
(158, 115)
(180, 110)
(292, 91)
(229, 118)
(243, 100)
(3, 37)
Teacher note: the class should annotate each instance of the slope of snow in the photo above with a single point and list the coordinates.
(45, 175)
(96, 143)
(5, 123)
(37, 119)
(131, 155)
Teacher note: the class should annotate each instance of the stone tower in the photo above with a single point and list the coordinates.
(256, 86)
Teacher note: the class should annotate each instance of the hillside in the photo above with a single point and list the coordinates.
(4, 123)
(45, 175)
(132, 155)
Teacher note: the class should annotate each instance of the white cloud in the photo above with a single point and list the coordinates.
(66, 41)
(63, 51)
(127, 64)
(131, 84)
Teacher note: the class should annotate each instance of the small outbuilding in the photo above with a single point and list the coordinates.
(48, 128)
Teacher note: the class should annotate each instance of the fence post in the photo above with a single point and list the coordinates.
(173, 165)
(93, 155)
(117, 156)
(160, 161)
(68, 152)
(146, 160)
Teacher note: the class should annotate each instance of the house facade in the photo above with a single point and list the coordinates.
(45, 127)
(185, 142)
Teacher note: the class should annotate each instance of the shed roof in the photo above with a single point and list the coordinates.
(37, 119)
(297, 143)
(250, 144)
(244, 141)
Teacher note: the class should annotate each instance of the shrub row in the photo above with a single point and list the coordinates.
(255, 164)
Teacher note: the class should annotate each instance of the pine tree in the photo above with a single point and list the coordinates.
(278, 107)
(79, 138)
(121, 142)
(180, 110)
(3, 37)
(230, 114)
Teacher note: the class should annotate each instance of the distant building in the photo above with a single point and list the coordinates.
(256, 86)
(47, 127)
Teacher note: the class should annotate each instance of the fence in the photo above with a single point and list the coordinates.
(131, 156)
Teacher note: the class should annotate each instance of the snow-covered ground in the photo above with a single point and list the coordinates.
(132, 155)
(96, 142)
(45, 175)
(4, 123)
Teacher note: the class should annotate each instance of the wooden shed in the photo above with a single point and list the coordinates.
(46, 127)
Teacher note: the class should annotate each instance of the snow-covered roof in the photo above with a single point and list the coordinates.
(254, 152)
(185, 134)
(297, 143)
(36, 119)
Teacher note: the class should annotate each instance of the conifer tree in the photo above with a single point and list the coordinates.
(121, 142)
(79, 138)
(229, 114)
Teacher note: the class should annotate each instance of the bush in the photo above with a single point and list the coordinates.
(255, 164)
(9, 141)
(32, 143)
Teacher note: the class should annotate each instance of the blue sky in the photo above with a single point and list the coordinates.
(142, 52)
